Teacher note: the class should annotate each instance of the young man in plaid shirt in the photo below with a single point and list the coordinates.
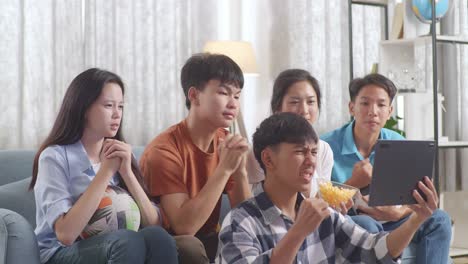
(279, 225)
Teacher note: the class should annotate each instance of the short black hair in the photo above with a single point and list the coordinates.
(379, 80)
(281, 128)
(203, 67)
(285, 80)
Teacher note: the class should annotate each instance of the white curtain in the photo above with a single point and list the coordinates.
(311, 35)
(453, 75)
(40, 51)
(148, 42)
(45, 44)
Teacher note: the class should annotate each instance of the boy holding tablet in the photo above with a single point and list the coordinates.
(280, 225)
(353, 150)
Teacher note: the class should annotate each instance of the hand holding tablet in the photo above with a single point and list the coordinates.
(427, 205)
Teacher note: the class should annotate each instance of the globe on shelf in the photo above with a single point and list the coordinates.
(423, 9)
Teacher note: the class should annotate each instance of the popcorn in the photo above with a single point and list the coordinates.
(334, 195)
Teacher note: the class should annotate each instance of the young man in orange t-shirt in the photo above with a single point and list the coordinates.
(190, 165)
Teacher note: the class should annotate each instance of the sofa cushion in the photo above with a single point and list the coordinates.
(16, 197)
(15, 165)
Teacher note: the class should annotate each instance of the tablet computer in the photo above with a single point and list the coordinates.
(398, 167)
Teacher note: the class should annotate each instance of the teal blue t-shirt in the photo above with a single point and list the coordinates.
(345, 152)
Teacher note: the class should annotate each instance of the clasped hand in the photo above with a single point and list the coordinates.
(232, 152)
(117, 156)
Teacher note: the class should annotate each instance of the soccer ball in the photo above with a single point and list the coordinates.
(117, 210)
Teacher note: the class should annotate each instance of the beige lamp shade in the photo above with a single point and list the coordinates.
(239, 51)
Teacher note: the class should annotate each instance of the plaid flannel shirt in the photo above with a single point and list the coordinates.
(251, 231)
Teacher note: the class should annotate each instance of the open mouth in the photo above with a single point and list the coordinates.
(307, 175)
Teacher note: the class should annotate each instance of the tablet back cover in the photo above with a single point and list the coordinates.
(398, 166)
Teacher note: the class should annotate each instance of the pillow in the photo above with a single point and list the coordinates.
(117, 210)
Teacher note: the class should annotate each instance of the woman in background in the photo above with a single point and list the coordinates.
(83, 155)
(296, 91)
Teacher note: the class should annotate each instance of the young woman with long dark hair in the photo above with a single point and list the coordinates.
(82, 162)
(297, 91)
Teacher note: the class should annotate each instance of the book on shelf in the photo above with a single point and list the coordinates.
(397, 24)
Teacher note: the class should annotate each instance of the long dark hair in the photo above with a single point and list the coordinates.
(68, 128)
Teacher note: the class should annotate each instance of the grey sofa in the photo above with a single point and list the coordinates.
(18, 209)
(18, 242)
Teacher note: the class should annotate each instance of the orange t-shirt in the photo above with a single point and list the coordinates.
(172, 163)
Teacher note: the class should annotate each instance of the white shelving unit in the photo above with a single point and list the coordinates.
(406, 62)
(415, 58)
(409, 64)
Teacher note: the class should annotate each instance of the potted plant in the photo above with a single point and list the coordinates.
(392, 124)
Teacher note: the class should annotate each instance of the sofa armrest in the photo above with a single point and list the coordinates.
(16, 197)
